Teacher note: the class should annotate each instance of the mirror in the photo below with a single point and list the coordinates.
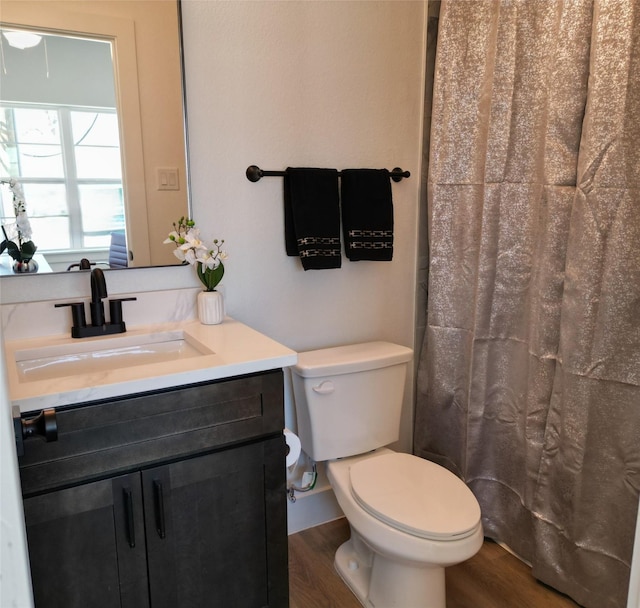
(135, 107)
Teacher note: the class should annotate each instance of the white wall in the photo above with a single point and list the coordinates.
(305, 83)
(15, 581)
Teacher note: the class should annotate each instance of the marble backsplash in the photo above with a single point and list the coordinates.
(41, 318)
(164, 294)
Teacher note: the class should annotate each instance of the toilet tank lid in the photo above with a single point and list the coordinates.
(350, 358)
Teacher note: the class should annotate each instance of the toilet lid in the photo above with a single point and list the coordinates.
(415, 496)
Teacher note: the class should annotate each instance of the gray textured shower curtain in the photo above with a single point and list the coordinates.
(529, 377)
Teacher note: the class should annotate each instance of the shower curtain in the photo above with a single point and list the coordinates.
(529, 375)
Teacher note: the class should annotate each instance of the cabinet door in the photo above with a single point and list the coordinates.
(210, 543)
(87, 546)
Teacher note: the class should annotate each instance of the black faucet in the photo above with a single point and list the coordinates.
(98, 291)
(83, 265)
(99, 326)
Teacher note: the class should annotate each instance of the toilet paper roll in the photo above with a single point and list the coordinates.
(293, 443)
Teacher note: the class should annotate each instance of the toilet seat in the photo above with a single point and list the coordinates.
(415, 496)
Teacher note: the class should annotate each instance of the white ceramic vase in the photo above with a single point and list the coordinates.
(210, 307)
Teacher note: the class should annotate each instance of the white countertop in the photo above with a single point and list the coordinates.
(237, 350)
(6, 264)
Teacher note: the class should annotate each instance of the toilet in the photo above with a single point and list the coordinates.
(409, 518)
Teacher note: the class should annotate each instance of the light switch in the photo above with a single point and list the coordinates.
(167, 178)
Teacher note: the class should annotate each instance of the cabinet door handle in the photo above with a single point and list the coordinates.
(158, 499)
(128, 510)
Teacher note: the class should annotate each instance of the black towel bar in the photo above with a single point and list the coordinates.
(254, 174)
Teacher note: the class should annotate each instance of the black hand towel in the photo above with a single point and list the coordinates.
(367, 214)
(312, 217)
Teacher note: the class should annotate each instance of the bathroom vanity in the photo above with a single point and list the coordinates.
(165, 486)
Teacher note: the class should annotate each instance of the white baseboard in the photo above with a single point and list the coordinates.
(312, 508)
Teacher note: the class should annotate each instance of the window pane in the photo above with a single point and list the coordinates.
(97, 145)
(40, 161)
(95, 129)
(98, 163)
(50, 233)
(102, 208)
(103, 240)
(45, 199)
(7, 205)
(35, 150)
(8, 152)
(36, 126)
(32, 146)
(48, 214)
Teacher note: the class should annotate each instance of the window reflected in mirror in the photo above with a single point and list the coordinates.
(61, 140)
(91, 119)
(73, 186)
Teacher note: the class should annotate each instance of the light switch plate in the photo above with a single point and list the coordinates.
(167, 178)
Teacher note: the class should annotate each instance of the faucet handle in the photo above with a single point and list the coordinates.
(115, 309)
(77, 316)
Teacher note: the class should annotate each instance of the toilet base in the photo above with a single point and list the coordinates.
(378, 582)
(354, 571)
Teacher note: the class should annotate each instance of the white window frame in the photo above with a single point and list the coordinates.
(70, 179)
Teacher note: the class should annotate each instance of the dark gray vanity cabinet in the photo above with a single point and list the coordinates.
(78, 546)
(169, 500)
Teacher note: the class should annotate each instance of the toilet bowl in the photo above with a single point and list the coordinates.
(384, 564)
(409, 518)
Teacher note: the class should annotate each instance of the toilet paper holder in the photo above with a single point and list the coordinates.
(309, 478)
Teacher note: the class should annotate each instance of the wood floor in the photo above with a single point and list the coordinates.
(491, 579)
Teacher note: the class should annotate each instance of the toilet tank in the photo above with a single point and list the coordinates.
(349, 398)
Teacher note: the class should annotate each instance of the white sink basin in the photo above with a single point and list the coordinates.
(105, 354)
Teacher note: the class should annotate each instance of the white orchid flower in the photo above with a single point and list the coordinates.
(179, 254)
(173, 237)
(18, 234)
(208, 259)
(24, 226)
(16, 188)
(190, 256)
(193, 236)
(191, 249)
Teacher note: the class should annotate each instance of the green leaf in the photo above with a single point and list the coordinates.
(28, 250)
(12, 250)
(210, 277)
